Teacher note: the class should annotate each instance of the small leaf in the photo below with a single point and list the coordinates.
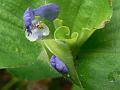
(73, 39)
(62, 32)
(57, 23)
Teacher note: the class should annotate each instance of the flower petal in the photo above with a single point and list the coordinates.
(37, 31)
(35, 35)
(28, 16)
(48, 11)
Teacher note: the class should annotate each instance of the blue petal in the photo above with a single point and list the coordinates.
(48, 11)
(28, 17)
(35, 35)
(36, 32)
(58, 65)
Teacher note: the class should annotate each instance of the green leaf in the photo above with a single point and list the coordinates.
(98, 63)
(75, 87)
(15, 49)
(63, 33)
(57, 23)
(40, 69)
(62, 51)
(72, 40)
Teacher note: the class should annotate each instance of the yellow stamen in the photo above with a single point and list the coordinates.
(40, 25)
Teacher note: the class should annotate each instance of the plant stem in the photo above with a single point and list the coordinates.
(10, 84)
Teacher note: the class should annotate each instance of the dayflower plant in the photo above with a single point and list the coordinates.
(54, 41)
(64, 39)
(35, 29)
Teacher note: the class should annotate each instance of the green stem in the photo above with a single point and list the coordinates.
(10, 84)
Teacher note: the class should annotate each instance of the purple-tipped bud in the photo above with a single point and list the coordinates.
(48, 11)
(58, 65)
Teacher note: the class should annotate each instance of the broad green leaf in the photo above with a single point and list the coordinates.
(15, 49)
(62, 51)
(40, 69)
(92, 15)
(98, 63)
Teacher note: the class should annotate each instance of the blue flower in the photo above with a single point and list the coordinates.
(47, 11)
(39, 30)
(57, 64)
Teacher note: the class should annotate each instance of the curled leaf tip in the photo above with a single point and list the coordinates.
(57, 64)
